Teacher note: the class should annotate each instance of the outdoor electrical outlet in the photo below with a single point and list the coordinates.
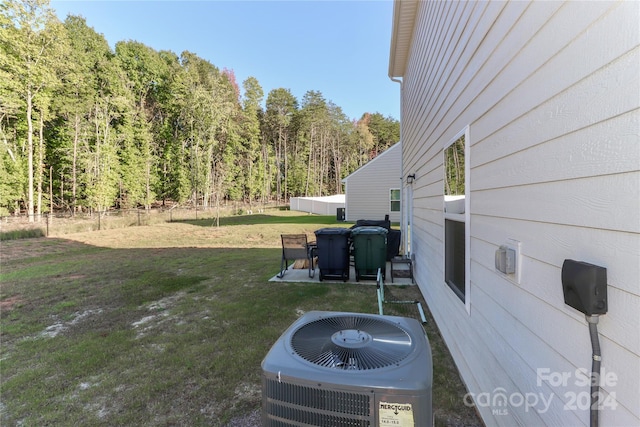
(508, 260)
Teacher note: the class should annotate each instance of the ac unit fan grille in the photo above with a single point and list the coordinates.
(290, 404)
(282, 416)
(351, 342)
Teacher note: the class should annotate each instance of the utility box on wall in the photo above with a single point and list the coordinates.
(584, 287)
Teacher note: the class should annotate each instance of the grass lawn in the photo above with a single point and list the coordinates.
(166, 324)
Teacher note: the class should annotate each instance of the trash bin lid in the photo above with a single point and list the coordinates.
(333, 231)
(369, 230)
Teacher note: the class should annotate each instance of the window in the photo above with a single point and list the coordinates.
(455, 217)
(454, 256)
(394, 197)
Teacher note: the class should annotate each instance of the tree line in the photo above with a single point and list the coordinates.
(88, 127)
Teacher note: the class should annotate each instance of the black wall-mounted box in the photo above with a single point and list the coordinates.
(585, 287)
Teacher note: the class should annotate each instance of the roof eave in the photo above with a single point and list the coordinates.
(404, 14)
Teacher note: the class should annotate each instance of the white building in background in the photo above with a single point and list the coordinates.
(323, 205)
(374, 190)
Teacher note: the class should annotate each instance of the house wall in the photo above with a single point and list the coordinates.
(367, 189)
(549, 95)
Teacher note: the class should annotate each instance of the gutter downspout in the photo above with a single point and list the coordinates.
(403, 204)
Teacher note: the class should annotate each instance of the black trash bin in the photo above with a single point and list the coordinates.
(393, 243)
(369, 251)
(333, 252)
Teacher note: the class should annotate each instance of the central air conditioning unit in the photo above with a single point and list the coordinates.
(348, 369)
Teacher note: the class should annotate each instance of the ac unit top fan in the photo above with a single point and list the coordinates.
(348, 369)
(351, 341)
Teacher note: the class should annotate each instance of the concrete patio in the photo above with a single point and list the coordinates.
(302, 275)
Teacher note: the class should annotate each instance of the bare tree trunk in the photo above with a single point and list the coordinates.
(279, 166)
(311, 156)
(218, 209)
(30, 156)
(338, 168)
(250, 184)
(96, 156)
(266, 176)
(40, 169)
(50, 191)
(286, 170)
(74, 166)
(147, 204)
(323, 164)
(62, 189)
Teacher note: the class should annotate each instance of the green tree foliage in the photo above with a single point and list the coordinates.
(88, 91)
(144, 74)
(252, 112)
(454, 182)
(278, 131)
(131, 126)
(385, 131)
(13, 167)
(12, 178)
(173, 166)
(32, 41)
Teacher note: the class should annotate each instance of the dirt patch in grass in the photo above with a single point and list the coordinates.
(23, 249)
(8, 303)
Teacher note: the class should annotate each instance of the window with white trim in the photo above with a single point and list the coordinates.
(454, 217)
(394, 200)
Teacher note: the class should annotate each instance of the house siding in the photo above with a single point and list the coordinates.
(367, 190)
(550, 94)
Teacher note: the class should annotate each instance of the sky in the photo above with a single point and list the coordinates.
(340, 48)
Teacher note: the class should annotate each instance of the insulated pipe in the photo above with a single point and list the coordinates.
(595, 368)
(380, 291)
(422, 316)
(380, 298)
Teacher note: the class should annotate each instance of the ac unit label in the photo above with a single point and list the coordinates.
(395, 414)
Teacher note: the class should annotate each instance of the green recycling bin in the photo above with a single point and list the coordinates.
(369, 251)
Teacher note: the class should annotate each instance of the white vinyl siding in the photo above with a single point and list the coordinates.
(550, 93)
(367, 189)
